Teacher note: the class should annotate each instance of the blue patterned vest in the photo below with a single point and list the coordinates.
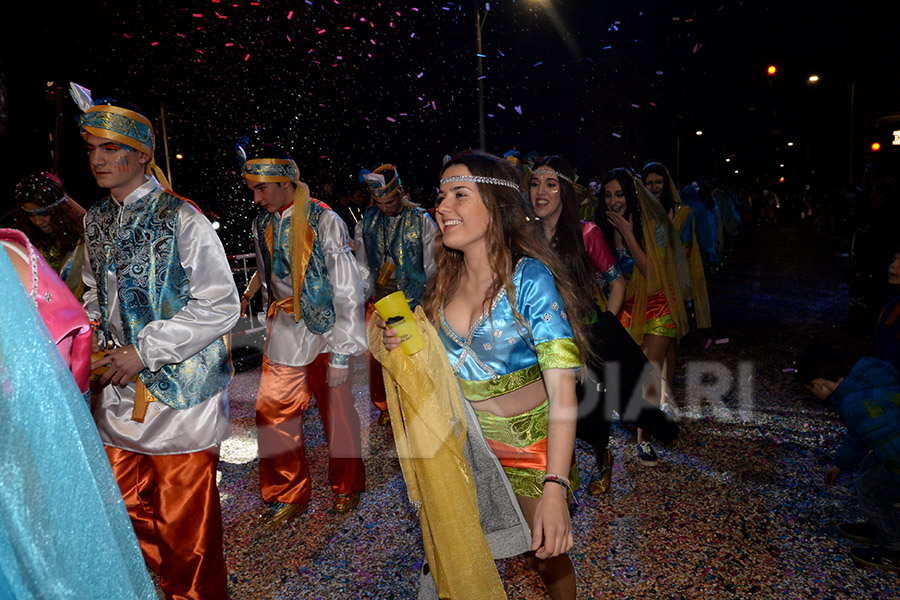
(399, 238)
(151, 286)
(317, 295)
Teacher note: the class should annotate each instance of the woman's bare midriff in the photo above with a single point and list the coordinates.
(516, 402)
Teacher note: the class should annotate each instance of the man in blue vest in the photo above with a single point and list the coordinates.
(394, 245)
(160, 294)
(316, 321)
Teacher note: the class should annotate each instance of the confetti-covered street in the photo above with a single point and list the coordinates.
(738, 507)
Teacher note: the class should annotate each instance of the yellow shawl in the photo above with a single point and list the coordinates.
(666, 263)
(429, 427)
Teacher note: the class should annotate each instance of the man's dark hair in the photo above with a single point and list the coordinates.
(268, 150)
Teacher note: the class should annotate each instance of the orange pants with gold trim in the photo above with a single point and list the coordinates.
(174, 507)
(284, 393)
(376, 375)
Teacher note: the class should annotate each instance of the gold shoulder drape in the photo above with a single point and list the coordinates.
(429, 428)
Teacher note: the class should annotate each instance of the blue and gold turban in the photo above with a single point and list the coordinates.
(271, 170)
(125, 127)
(379, 184)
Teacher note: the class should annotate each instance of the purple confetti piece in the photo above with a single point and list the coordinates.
(788, 370)
(708, 343)
(722, 341)
(518, 109)
(501, 106)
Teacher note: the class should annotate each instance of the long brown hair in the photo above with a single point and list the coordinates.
(567, 239)
(513, 232)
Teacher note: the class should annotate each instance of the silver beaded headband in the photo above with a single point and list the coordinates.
(482, 179)
(550, 171)
(45, 209)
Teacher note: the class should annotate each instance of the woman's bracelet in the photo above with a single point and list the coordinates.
(559, 480)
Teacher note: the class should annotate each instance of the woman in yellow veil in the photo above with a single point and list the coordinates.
(643, 238)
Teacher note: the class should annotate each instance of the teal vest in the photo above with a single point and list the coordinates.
(152, 286)
(401, 239)
(317, 295)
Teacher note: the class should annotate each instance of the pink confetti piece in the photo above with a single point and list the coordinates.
(197, 15)
(246, 58)
(155, 44)
(129, 37)
(501, 106)
(722, 341)
(708, 343)
(392, 119)
(433, 105)
(290, 14)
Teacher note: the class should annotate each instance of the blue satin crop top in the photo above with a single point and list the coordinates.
(495, 357)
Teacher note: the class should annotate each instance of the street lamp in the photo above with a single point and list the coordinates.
(479, 25)
(813, 78)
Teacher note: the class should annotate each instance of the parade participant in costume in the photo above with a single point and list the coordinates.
(640, 232)
(586, 255)
(499, 300)
(658, 180)
(703, 209)
(61, 312)
(54, 223)
(160, 290)
(64, 530)
(316, 321)
(394, 245)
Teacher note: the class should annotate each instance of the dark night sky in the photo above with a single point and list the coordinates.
(352, 84)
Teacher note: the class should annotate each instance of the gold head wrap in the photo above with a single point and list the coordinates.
(125, 127)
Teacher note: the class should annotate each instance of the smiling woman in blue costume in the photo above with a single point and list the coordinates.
(500, 300)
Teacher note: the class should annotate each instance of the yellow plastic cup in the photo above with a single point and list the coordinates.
(394, 309)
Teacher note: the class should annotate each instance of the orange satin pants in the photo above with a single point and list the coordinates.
(174, 507)
(284, 393)
(376, 376)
